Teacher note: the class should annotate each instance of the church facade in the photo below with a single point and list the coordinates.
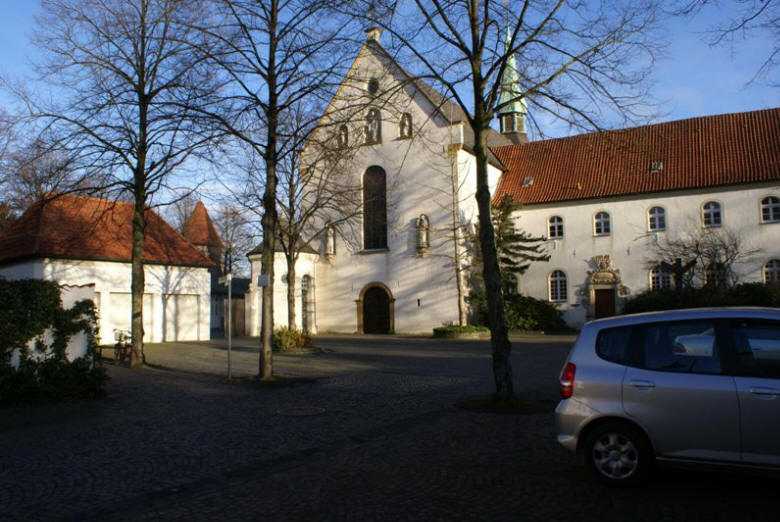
(600, 199)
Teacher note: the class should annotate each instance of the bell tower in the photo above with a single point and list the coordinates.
(511, 109)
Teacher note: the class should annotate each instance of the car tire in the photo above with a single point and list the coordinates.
(618, 454)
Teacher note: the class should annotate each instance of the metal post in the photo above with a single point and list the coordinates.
(230, 322)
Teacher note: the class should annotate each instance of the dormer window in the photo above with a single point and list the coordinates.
(656, 166)
(405, 126)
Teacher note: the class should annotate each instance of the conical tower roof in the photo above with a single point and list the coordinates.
(200, 230)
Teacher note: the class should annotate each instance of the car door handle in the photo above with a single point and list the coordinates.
(765, 392)
(641, 384)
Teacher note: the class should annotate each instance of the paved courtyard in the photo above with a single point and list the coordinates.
(368, 429)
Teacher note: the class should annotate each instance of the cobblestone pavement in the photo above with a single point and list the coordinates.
(369, 432)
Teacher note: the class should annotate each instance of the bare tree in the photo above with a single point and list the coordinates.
(272, 55)
(752, 18)
(181, 210)
(125, 83)
(712, 256)
(235, 230)
(579, 62)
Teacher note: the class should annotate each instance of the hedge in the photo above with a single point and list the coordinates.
(44, 373)
(745, 294)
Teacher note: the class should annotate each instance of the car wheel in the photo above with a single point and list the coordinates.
(618, 454)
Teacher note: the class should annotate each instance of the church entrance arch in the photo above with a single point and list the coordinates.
(375, 310)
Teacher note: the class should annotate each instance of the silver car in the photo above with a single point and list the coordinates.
(693, 386)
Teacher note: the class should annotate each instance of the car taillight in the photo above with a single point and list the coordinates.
(567, 380)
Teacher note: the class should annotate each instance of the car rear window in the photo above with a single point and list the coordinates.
(668, 346)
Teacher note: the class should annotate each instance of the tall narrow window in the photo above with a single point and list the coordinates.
(343, 136)
(405, 127)
(558, 289)
(656, 219)
(711, 214)
(373, 127)
(556, 227)
(770, 209)
(601, 224)
(772, 272)
(660, 279)
(374, 209)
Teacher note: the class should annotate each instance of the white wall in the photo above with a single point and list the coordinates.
(114, 278)
(306, 265)
(629, 244)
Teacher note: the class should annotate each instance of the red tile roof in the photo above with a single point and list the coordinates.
(700, 152)
(199, 229)
(87, 228)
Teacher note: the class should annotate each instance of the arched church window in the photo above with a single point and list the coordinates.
(405, 127)
(423, 233)
(556, 227)
(660, 279)
(373, 86)
(557, 283)
(772, 272)
(656, 219)
(770, 209)
(374, 208)
(602, 225)
(343, 136)
(373, 127)
(711, 214)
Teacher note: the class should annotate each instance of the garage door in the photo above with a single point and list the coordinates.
(180, 317)
(120, 312)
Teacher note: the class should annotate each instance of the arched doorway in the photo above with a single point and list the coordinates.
(375, 310)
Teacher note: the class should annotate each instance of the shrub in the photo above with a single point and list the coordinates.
(451, 330)
(30, 308)
(745, 294)
(523, 313)
(290, 340)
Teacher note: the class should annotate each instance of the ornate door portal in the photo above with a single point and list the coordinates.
(604, 302)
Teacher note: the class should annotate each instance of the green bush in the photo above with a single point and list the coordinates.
(452, 330)
(290, 340)
(30, 308)
(522, 313)
(745, 294)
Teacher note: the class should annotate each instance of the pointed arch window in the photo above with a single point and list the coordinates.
(656, 219)
(374, 209)
(711, 214)
(373, 127)
(556, 227)
(405, 126)
(558, 287)
(343, 136)
(772, 272)
(770, 209)
(602, 225)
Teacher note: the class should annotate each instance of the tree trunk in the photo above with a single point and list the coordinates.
(499, 335)
(270, 218)
(291, 293)
(137, 284)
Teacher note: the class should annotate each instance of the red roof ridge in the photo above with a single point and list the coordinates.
(703, 151)
(637, 127)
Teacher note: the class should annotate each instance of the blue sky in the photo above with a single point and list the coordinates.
(693, 79)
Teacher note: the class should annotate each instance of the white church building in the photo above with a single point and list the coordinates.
(600, 199)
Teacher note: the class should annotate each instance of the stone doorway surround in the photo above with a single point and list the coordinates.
(359, 305)
(603, 277)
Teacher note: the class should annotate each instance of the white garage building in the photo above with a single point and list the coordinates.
(79, 241)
